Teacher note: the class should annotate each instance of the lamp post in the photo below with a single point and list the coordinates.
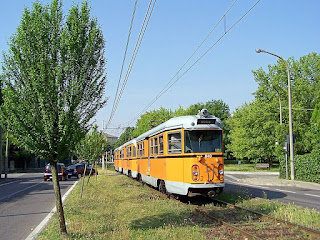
(279, 103)
(290, 110)
(281, 124)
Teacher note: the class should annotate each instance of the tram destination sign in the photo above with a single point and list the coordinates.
(206, 121)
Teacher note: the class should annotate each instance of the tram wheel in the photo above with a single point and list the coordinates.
(162, 187)
(139, 179)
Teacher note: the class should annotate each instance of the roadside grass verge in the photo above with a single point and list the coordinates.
(232, 165)
(309, 218)
(116, 207)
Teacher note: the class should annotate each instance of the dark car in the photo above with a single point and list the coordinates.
(75, 170)
(93, 172)
(62, 173)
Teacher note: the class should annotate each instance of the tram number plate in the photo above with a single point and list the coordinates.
(208, 156)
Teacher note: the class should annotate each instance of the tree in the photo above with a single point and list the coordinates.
(252, 133)
(316, 126)
(154, 117)
(126, 136)
(92, 146)
(217, 108)
(1, 131)
(316, 116)
(255, 127)
(53, 82)
(305, 82)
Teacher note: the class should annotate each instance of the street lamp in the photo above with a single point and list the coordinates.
(290, 110)
(279, 103)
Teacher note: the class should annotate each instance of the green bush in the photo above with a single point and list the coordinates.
(307, 167)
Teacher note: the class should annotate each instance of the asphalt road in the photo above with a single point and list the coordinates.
(305, 196)
(25, 202)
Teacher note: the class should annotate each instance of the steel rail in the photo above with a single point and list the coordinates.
(244, 233)
(198, 210)
(276, 220)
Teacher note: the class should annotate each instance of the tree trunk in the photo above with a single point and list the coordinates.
(25, 164)
(107, 161)
(90, 174)
(84, 174)
(96, 171)
(0, 151)
(57, 193)
(36, 162)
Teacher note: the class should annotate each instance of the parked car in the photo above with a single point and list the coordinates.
(62, 173)
(75, 170)
(93, 172)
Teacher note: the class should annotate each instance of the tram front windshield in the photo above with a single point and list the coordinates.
(202, 141)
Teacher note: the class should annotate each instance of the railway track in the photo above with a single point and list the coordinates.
(279, 222)
(248, 223)
(254, 225)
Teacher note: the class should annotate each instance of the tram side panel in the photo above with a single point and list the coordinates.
(142, 159)
(174, 172)
(158, 160)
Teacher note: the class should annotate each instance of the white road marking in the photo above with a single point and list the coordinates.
(234, 178)
(9, 183)
(249, 185)
(264, 187)
(285, 191)
(19, 191)
(41, 226)
(312, 195)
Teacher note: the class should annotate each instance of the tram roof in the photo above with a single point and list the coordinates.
(184, 122)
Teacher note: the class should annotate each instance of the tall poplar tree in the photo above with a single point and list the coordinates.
(54, 82)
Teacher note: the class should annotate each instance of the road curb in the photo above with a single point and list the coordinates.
(45, 221)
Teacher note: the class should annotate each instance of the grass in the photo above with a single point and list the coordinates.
(117, 207)
(289, 212)
(232, 165)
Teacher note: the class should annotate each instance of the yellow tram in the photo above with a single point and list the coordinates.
(182, 156)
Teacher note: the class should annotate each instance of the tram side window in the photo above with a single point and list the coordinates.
(138, 153)
(134, 152)
(174, 142)
(142, 149)
(155, 146)
(161, 145)
(151, 146)
(129, 152)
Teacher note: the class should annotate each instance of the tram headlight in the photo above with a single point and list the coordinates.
(195, 171)
(221, 172)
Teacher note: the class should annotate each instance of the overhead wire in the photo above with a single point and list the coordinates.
(125, 54)
(133, 57)
(171, 82)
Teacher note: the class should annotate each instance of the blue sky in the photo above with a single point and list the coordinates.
(286, 27)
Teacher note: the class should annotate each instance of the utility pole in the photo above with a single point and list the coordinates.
(102, 159)
(6, 157)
